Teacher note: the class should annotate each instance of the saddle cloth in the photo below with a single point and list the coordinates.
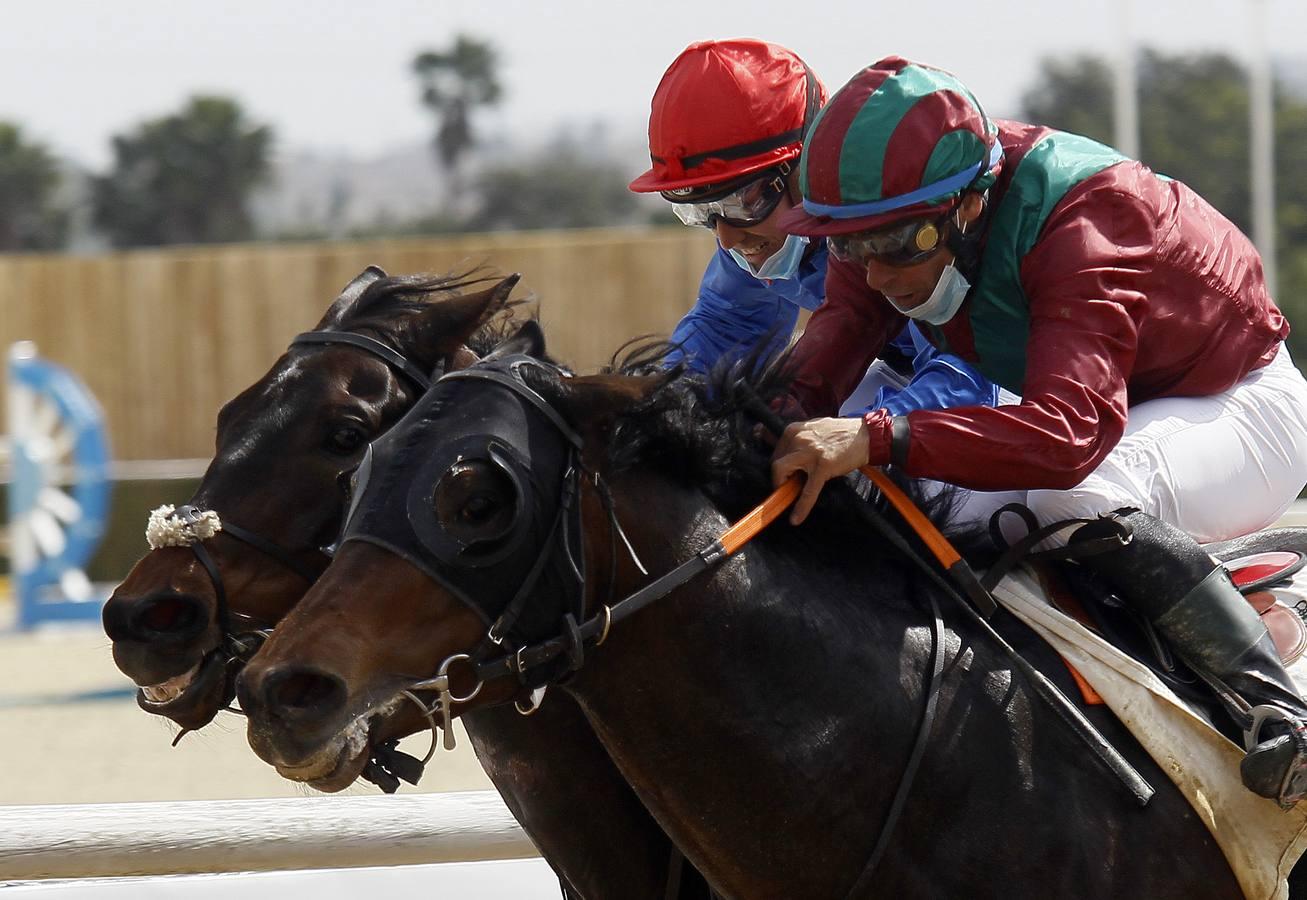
(1261, 842)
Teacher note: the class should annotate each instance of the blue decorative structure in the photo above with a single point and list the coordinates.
(59, 490)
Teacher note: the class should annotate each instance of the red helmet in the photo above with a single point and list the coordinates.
(725, 109)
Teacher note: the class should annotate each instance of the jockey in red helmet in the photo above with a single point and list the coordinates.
(725, 132)
(1131, 316)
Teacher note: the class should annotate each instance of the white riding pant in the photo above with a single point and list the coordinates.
(1218, 466)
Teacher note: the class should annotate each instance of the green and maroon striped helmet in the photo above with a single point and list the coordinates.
(900, 140)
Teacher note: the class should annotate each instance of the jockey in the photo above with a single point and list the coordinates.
(725, 132)
(1130, 315)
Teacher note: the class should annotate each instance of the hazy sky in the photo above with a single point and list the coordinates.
(333, 75)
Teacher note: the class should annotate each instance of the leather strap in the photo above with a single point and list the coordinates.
(277, 552)
(1022, 551)
(526, 393)
(900, 437)
(373, 346)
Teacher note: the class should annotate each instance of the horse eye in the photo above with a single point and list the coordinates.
(479, 508)
(346, 440)
(475, 502)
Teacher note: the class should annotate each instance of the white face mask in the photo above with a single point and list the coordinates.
(784, 263)
(944, 300)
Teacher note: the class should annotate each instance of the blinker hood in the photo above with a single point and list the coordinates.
(489, 419)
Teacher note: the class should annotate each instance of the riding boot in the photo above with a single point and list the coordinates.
(1165, 576)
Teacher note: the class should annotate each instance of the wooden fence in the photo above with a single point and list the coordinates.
(120, 839)
(164, 337)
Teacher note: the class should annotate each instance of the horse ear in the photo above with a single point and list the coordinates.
(529, 340)
(594, 401)
(449, 322)
(350, 295)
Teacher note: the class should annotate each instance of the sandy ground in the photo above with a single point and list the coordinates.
(56, 750)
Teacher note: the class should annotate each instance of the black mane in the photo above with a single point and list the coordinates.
(708, 432)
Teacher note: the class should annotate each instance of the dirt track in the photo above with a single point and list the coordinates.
(108, 751)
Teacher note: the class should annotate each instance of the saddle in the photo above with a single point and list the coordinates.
(1118, 662)
(1267, 567)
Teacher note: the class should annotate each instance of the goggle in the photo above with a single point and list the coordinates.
(904, 244)
(744, 207)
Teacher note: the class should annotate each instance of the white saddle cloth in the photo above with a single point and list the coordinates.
(1261, 841)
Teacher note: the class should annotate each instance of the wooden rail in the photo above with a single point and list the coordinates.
(129, 839)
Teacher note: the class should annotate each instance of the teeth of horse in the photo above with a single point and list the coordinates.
(171, 689)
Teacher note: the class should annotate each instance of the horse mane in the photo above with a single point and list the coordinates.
(386, 302)
(707, 432)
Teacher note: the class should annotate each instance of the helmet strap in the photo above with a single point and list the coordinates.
(966, 245)
(814, 102)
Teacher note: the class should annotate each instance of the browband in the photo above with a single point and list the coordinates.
(373, 346)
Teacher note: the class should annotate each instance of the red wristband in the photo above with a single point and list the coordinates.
(880, 436)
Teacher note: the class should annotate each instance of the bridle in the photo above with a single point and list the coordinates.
(502, 652)
(549, 512)
(240, 646)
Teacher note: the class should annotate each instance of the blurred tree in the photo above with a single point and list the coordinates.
(29, 177)
(562, 187)
(1193, 125)
(1072, 95)
(454, 82)
(184, 178)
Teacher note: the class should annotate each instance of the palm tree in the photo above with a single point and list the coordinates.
(454, 83)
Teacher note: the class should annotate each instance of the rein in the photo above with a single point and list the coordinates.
(736, 537)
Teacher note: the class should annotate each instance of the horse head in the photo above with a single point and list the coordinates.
(259, 529)
(474, 525)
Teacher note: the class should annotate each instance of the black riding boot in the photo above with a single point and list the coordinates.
(1167, 577)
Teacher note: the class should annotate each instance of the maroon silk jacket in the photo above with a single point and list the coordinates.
(1137, 289)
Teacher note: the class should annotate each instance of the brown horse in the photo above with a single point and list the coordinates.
(764, 714)
(285, 448)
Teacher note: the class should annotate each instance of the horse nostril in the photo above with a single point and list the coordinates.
(302, 692)
(168, 617)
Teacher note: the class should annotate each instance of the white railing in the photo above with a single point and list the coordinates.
(131, 839)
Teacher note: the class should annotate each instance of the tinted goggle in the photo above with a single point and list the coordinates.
(743, 208)
(903, 244)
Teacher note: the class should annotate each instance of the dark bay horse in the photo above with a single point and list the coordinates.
(764, 713)
(285, 447)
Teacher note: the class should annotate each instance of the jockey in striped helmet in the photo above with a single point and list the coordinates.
(1132, 318)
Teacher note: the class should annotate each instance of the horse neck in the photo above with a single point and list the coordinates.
(686, 695)
(781, 691)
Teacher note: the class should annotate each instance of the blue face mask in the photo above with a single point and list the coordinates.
(784, 263)
(944, 300)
